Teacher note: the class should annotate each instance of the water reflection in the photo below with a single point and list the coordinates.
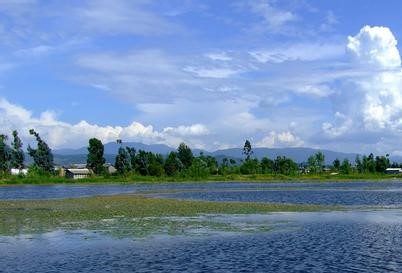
(352, 196)
(355, 241)
(71, 191)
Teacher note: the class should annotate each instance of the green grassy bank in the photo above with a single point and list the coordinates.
(233, 177)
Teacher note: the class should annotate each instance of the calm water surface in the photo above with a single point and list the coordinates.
(348, 241)
(347, 193)
(306, 242)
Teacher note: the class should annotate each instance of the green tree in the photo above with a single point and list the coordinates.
(284, 165)
(173, 164)
(5, 156)
(95, 159)
(369, 163)
(131, 153)
(346, 167)
(122, 161)
(224, 166)
(250, 166)
(198, 168)
(142, 162)
(185, 155)
(381, 163)
(267, 165)
(312, 164)
(320, 158)
(17, 152)
(156, 164)
(42, 155)
(359, 164)
(336, 164)
(316, 162)
(247, 150)
(211, 163)
(148, 163)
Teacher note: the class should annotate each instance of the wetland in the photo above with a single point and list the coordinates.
(202, 227)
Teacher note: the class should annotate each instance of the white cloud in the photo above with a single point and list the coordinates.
(36, 51)
(281, 139)
(298, 52)
(230, 122)
(139, 76)
(217, 73)
(372, 102)
(61, 134)
(375, 46)
(219, 56)
(319, 90)
(44, 49)
(122, 16)
(343, 126)
(193, 130)
(274, 17)
(330, 21)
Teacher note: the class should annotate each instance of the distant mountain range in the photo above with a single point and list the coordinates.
(299, 155)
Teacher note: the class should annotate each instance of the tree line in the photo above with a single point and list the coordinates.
(181, 162)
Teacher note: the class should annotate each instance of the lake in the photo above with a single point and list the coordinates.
(363, 239)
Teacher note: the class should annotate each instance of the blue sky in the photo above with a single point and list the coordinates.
(297, 73)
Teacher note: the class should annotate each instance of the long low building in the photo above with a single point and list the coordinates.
(77, 173)
(393, 170)
(14, 171)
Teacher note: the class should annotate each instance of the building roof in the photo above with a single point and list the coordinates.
(79, 171)
(393, 169)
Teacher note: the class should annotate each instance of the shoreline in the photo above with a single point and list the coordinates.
(212, 179)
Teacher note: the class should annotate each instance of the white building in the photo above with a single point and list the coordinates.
(77, 173)
(19, 171)
(393, 170)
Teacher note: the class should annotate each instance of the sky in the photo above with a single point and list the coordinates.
(289, 73)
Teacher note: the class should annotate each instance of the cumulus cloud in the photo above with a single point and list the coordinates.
(375, 46)
(280, 139)
(371, 102)
(193, 130)
(61, 134)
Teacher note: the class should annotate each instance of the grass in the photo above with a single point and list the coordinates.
(16, 180)
(39, 216)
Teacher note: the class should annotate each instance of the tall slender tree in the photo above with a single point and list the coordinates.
(17, 152)
(95, 159)
(122, 161)
(5, 155)
(247, 150)
(42, 155)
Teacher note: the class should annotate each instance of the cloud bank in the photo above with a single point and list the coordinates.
(60, 134)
